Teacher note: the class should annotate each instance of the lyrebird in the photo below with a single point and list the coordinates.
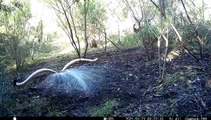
(46, 71)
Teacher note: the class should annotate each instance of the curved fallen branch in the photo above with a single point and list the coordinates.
(46, 71)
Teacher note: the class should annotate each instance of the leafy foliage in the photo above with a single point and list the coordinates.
(197, 37)
(105, 109)
(129, 41)
(19, 39)
(80, 20)
(13, 29)
(149, 31)
(148, 35)
(171, 79)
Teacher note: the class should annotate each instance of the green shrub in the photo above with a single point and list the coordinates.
(148, 36)
(170, 79)
(129, 40)
(105, 109)
(190, 37)
(149, 31)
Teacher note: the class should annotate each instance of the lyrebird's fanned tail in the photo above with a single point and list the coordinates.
(46, 71)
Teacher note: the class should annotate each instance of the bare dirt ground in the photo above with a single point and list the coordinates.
(133, 82)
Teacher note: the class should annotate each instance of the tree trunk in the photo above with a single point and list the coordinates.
(162, 14)
(85, 27)
(105, 37)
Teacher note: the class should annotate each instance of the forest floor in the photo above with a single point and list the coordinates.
(132, 87)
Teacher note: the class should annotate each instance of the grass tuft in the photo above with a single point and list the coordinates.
(104, 109)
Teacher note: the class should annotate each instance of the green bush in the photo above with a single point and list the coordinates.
(129, 40)
(190, 37)
(149, 31)
(170, 79)
(148, 35)
(105, 109)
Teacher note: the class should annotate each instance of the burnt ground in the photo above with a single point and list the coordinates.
(133, 82)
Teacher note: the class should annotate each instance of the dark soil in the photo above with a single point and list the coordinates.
(132, 81)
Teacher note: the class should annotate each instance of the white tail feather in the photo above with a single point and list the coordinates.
(37, 73)
(77, 60)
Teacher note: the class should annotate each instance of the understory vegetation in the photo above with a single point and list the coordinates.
(105, 109)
